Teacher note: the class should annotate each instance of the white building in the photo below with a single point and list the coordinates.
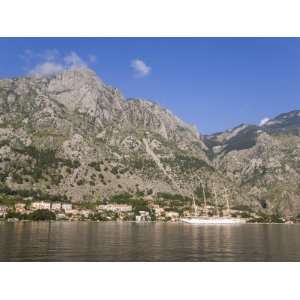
(41, 205)
(61, 217)
(138, 218)
(115, 208)
(20, 207)
(85, 212)
(74, 212)
(158, 210)
(3, 210)
(56, 206)
(67, 207)
(144, 213)
(143, 216)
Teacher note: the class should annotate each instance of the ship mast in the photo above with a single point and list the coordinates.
(195, 206)
(204, 197)
(216, 198)
(194, 202)
(227, 200)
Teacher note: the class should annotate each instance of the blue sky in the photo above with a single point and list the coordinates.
(214, 83)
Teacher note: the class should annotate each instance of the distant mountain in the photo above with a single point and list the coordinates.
(70, 136)
(287, 123)
(238, 138)
(263, 162)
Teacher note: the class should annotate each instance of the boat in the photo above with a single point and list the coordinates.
(213, 220)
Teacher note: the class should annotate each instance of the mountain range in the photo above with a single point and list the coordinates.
(70, 136)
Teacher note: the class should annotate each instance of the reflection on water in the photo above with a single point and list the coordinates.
(111, 241)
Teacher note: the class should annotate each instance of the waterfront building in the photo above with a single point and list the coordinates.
(3, 210)
(20, 207)
(143, 216)
(67, 207)
(40, 205)
(159, 211)
(85, 213)
(56, 206)
(138, 218)
(73, 212)
(61, 216)
(119, 208)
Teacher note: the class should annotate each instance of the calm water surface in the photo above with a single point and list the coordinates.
(109, 241)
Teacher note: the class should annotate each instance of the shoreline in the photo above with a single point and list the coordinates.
(139, 222)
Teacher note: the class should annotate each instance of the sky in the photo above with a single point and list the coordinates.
(213, 83)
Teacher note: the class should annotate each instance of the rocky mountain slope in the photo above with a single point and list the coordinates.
(264, 162)
(70, 136)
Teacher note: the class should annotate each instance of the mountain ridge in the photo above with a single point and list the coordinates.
(73, 136)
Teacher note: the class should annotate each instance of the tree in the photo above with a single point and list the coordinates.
(12, 214)
(42, 215)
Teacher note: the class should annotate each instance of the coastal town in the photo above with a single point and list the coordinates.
(124, 208)
(75, 212)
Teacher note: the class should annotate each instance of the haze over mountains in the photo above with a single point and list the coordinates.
(72, 136)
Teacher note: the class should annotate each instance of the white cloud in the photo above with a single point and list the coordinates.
(50, 55)
(51, 61)
(263, 121)
(45, 69)
(140, 68)
(73, 61)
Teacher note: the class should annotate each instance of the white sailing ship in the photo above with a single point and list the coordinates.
(207, 220)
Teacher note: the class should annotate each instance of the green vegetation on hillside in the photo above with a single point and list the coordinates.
(35, 194)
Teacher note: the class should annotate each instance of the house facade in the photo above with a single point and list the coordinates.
(67, 207)
(40, 205)
(56, 206)
(119, 208)
(3, 210)
(20, 207)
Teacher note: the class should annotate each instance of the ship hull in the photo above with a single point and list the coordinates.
(212, 221)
